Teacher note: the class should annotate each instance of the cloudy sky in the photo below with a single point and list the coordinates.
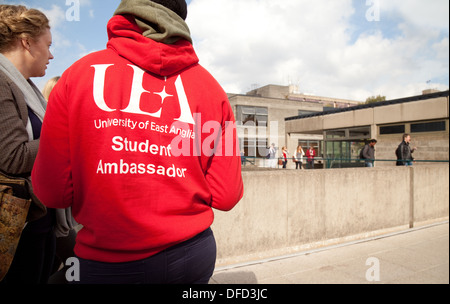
(349, 49)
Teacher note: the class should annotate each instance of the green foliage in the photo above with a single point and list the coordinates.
(373, 99)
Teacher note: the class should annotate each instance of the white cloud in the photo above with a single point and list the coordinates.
(421, 14)
(309, 43)
(87, 4)
(442, 50)
(57, 17)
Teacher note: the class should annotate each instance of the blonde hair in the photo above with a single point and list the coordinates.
(49, 86)
(17, 21)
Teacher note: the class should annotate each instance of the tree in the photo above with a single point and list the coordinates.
(373, 99)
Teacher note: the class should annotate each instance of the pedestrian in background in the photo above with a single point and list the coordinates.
(310, 154)
(298, 157)
(272, 156)
(285, 155)
(368, 153)
(404, 152)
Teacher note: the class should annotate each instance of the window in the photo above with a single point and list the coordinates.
(397, 129)
(359, 133)
(304, 112)
(428, 127)
(255, 147)
(341, 147)
(350, 133)
(257, 115)
(252, 129)
(335, 134)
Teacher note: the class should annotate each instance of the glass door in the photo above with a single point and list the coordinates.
(342, 154)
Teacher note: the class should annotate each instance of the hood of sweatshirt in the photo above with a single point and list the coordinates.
(127, 39)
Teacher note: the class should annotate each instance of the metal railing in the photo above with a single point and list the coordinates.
(327, 163)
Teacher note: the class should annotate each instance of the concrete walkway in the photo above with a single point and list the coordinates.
(415, 256)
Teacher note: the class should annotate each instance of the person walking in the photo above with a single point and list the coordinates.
(120, 146)
(311, 154)
(404, 152)
(272, 156)
(298, 157)
(25, 40)
(285, 155)
(368, 153)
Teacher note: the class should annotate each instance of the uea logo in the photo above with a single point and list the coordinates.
(137, 90)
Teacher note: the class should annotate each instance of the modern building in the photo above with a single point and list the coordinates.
(345, 131)
(261, 113)
(338, 128)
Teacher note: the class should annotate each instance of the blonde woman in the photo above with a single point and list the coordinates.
(25, 40)
(298, 157)
(49, 87)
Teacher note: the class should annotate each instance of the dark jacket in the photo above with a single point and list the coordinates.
(404, 153)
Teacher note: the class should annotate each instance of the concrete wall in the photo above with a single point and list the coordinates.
(285, 211)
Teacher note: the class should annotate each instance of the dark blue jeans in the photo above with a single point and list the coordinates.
(190, 262)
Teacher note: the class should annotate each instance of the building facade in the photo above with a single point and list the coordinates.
(345, 131)
(261, 113)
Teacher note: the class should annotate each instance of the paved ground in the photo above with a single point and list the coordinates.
(417, 256)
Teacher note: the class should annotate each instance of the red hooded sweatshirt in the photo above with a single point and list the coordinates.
(140, 141)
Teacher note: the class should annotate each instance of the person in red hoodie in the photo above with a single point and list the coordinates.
(140, 140)
(310, 154)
